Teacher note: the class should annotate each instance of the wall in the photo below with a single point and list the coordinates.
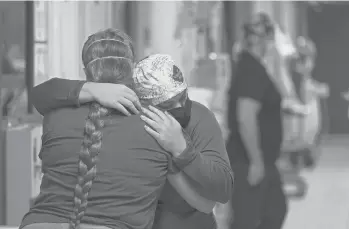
(163, 25)
(288, 17)
(13, 33)
(62, 42)
(330, 32)
(138, 24)
(70, 23)
(13, 20)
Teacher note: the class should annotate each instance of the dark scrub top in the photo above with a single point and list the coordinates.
(131, 171)
(205, 160)
(252, 81)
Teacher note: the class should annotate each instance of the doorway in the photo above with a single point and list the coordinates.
(329, 29)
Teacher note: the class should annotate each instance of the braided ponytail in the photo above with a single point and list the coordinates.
(87, 161)
(108, 58)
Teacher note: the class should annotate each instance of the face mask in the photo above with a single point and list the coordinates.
(182, 114)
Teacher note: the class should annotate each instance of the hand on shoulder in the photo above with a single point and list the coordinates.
(116, 96)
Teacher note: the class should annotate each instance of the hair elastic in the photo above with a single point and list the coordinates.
(107, 57)
(105, 40)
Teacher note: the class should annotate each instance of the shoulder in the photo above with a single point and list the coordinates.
(67, 117)
(61, 126)
(130, 132)
(203, 128)
(199, 110)
(202, 118)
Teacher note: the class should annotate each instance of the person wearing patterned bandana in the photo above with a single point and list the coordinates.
(152, 88)
(183, 139)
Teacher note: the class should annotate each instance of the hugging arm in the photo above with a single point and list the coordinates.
(58, 93)
(180, 183)
(206, 162)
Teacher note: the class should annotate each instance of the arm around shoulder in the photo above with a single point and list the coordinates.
(206, 160)
(182, 185)
(55, 93)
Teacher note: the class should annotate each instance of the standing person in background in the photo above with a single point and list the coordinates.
(255, 124)
(309, 91)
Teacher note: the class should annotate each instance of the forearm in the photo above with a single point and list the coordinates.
(86, 93)
(182, 185)
(249, 131)
(56, 93)
(213, 176)
(322, 91)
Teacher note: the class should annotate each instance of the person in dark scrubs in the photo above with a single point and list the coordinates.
(254, 119)
(208, 169)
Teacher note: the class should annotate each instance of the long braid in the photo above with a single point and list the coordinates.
(107, 57)
(90, 149)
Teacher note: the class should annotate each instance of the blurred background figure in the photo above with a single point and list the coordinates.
(255, 123)
(43, 39)
(310, 93)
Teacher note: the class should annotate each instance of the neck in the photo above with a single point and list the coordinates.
(256, 52)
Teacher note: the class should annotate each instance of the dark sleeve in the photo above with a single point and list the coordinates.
(206, 161)
(55, 93)
(252, 82)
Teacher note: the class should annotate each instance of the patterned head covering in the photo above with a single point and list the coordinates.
(157, 79)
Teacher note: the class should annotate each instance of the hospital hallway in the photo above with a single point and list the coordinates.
(326, 205)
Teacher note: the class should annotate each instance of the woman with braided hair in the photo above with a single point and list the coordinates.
(103, 63)
(122, 193)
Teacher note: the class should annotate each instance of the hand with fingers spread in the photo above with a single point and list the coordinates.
(117, 96)
(165, 129)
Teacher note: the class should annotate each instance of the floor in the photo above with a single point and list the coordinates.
(326, 205)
